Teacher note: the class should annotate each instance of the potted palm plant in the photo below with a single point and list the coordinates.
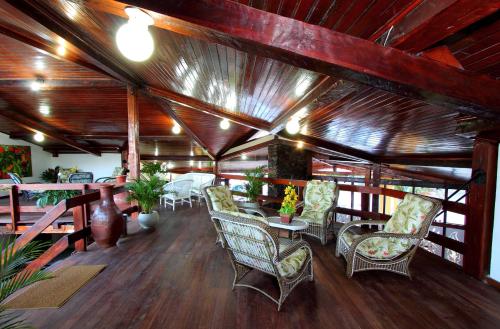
(254, 186)
(146, 191)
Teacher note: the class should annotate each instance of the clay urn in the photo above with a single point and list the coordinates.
(107, 221)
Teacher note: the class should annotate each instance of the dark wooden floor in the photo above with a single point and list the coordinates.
(175, 277)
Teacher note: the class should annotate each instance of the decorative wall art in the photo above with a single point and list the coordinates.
(17, 159)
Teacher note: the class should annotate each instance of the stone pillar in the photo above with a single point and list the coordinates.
(288, 162)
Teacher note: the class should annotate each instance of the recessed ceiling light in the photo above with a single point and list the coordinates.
(244, 156)
(35, 85)
(133, 38)
(224, 124)
(293, 126)
(44, 109)
(39, 64)
(39, 137)
(176, 129)
(300, 144)
(61, 50)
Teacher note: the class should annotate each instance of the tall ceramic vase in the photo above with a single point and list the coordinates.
(107, 222)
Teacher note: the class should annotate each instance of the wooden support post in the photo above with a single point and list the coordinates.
(479, 221)
(216, 167)
(375, 183)
(133, 133)
(14, 206)
(365, 197)
(79, 224)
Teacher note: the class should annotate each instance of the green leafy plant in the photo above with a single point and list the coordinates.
(49, 175)
(12, 277)
(146, 191)
(254, 185)
(53, 197)
(151, 168)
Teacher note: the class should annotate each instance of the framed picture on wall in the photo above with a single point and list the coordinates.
(17, 159)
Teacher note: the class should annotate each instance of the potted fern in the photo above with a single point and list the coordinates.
(146, 191)
(12, 277)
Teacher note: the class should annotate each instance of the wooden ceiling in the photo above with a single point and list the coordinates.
(383, 108)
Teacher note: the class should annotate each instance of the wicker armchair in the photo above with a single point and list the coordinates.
(320, 200)
(177, 191)
(251, 244)
(28, 195)
(219, 199)
(81, 177)
(393, 248)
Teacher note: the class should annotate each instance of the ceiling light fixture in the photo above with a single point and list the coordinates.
(191, 163)
(176, 129)
(156, 151)
(192, 153)
(293, 126)
(36, 85)
(133, 38)
(244, 156)
(224, 124)
(300, 144)
(44, 109)
(39, 137)
(61, 50)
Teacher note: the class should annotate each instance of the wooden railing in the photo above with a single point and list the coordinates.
(451, 206)
(80, 206)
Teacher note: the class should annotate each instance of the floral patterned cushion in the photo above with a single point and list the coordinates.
(64, 173)
(318, 199)
(289, 266)
(221, 199)
(310, 216)
(378, 248)
(409, 215)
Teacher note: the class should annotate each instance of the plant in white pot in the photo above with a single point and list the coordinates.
(254, 185)
(146, 191)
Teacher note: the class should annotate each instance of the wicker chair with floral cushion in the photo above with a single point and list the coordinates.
(393, 248)
(251, 244)
(320, 200)
(220, 200)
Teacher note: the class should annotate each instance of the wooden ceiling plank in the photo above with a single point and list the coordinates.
(461, 160)
(63, 83)
(328, 52)
(55, 23)
(204, 107)
(22, 120)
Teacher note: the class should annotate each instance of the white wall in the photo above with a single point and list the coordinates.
(102, 166)
(40, 159)
(495, 245)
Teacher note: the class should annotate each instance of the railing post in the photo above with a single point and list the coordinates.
(79, 223)
(14, 206)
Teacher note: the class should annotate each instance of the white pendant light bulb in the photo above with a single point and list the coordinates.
(224, 124)
(293, 126)
(35, 86)
(39, 137)
(133, 38)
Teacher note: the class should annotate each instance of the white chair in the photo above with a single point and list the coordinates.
(200, 181)
(177, 191)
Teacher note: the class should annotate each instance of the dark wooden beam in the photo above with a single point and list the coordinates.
(247, 147)
(134, 164)
(204, 107)
(460, 160)
(63, 83)
(124, 136)
(170, 112)
(338, 148)
(481, 201)
(176, 157)
(325, 51)
(433, 21)
(430, 177)
(241, 140)
(24, 121)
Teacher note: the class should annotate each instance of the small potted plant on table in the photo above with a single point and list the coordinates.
(287, 209)
(146, 191)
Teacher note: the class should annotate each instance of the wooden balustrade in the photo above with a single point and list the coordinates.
(79, 205)
(444, 241)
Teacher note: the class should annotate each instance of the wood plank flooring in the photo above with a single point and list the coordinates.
(176, 277)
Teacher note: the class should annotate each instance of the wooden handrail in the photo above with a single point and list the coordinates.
(64, 186)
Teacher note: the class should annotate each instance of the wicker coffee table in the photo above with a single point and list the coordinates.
(293, 227)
